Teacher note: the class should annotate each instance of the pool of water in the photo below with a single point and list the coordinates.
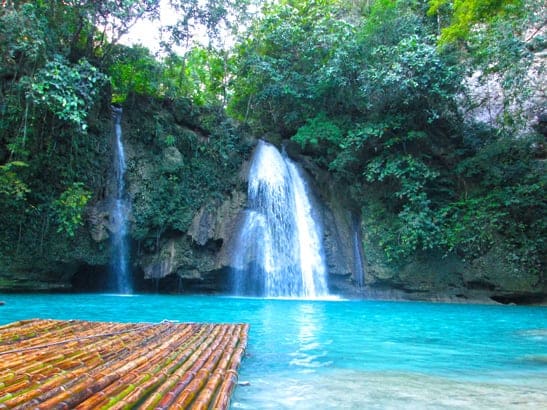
(349, 354)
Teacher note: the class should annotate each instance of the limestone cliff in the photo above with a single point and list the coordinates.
(424, 276)
(201, 255)
(187, 187)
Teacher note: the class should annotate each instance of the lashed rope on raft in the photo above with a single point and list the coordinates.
(77, 364)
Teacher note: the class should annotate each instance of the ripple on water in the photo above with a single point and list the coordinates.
(351, 389)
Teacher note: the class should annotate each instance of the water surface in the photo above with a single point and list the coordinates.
(349, 354)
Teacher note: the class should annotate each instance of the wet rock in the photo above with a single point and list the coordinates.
(98, 218)
(172, 159)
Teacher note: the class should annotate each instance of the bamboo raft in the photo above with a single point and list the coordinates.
(53, 364)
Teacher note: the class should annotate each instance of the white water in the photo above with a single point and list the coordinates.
(357, 246)
(279, 252)
(120, 251)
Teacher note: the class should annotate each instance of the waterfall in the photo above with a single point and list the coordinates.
(279, 251)
(120, 249)
(357, 251)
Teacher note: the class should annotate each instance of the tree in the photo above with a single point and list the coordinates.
(464, 15)
(499, 42)
(209, 21)
(275, 84)
(67, 91)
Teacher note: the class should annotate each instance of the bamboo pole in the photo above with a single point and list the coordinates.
(183, 375)
(161, 357)
(87, 386)
(209, 391)
(115, 370)
(222, 400)
(65, 380)
(48, 364)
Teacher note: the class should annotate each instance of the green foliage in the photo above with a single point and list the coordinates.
(516, 213)
(11, 185)
(170, 140)
(466, 14)
(496, 40)
(321, 135)
(373, 99)
(318, 130)
(416, 75)
(416, 228)
(67, 91)
(411, 174)
(208, 20)
(276, 82)
(362, 87)
(200, 74)
(501, 161)
(38, 30)
(472, 224)
(115, 17)
(69, 208)
(22, 39)
(52, 54)
(507, 200)
(134, 70)
(205, 71)
(190, 163)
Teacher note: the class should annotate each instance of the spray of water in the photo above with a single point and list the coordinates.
(279, 251)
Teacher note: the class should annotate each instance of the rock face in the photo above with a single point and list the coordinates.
(101, 223)
(434, 276)
(184, 219)
(217, 224)
(198, 260)
(427, 276)
(341, 225)
(202, 254)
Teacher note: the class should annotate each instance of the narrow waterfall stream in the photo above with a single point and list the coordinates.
(357, 252)
(279, 251)
(120, 249)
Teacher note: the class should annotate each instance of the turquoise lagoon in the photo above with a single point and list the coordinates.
(349, 354)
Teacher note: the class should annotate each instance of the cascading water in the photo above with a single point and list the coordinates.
(279, 252)
(357, 252)
(120, 252)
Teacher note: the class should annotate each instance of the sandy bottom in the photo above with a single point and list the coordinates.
(349, 389)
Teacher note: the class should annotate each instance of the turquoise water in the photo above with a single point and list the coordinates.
(349, 354)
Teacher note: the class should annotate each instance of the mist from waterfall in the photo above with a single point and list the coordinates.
(121, 274)
(279, 251)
